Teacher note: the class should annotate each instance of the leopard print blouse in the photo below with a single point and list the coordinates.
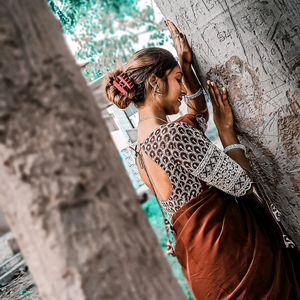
(189, 157)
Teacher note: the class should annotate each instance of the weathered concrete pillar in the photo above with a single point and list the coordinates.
(253, 48)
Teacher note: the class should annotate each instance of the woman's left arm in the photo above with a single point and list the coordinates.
(198, 104)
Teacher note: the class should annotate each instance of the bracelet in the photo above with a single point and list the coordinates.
(234, 146)
(193, 96)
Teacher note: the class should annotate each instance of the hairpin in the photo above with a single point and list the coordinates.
(124, 83)
(120, 88)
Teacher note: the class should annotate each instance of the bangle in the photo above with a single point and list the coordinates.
(234, 146)
(193, 96)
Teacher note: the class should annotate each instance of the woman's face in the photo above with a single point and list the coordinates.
(171, 101)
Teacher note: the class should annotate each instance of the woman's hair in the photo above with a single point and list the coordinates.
(138, 70)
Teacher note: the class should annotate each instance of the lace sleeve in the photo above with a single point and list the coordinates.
(195, 153)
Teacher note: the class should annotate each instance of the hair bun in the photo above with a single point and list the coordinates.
(119, 88)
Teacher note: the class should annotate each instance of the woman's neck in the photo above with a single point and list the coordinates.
(148, 112)
(149, 119)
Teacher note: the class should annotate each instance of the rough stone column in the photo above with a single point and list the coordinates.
(253, 48)
(63, 188)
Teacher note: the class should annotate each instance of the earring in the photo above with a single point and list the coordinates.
(156, 90)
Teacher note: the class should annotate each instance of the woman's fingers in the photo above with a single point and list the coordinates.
(175, 34)
(218, 99)
(212, 94)
(217, 94)
(181, 44)
(224, 96)
(172, 27)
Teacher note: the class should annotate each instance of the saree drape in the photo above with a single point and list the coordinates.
(233, 249)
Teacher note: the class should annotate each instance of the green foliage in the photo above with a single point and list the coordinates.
(107, 31)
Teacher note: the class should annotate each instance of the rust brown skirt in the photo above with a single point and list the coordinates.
(231, 250)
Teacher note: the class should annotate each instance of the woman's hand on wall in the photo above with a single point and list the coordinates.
(181, 44)
(222, 111)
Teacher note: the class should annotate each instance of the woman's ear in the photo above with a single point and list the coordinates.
(156, 85)
(153, 81)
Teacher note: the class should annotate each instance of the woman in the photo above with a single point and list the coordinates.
(227, 243)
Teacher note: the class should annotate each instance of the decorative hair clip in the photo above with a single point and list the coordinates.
(124, 83)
